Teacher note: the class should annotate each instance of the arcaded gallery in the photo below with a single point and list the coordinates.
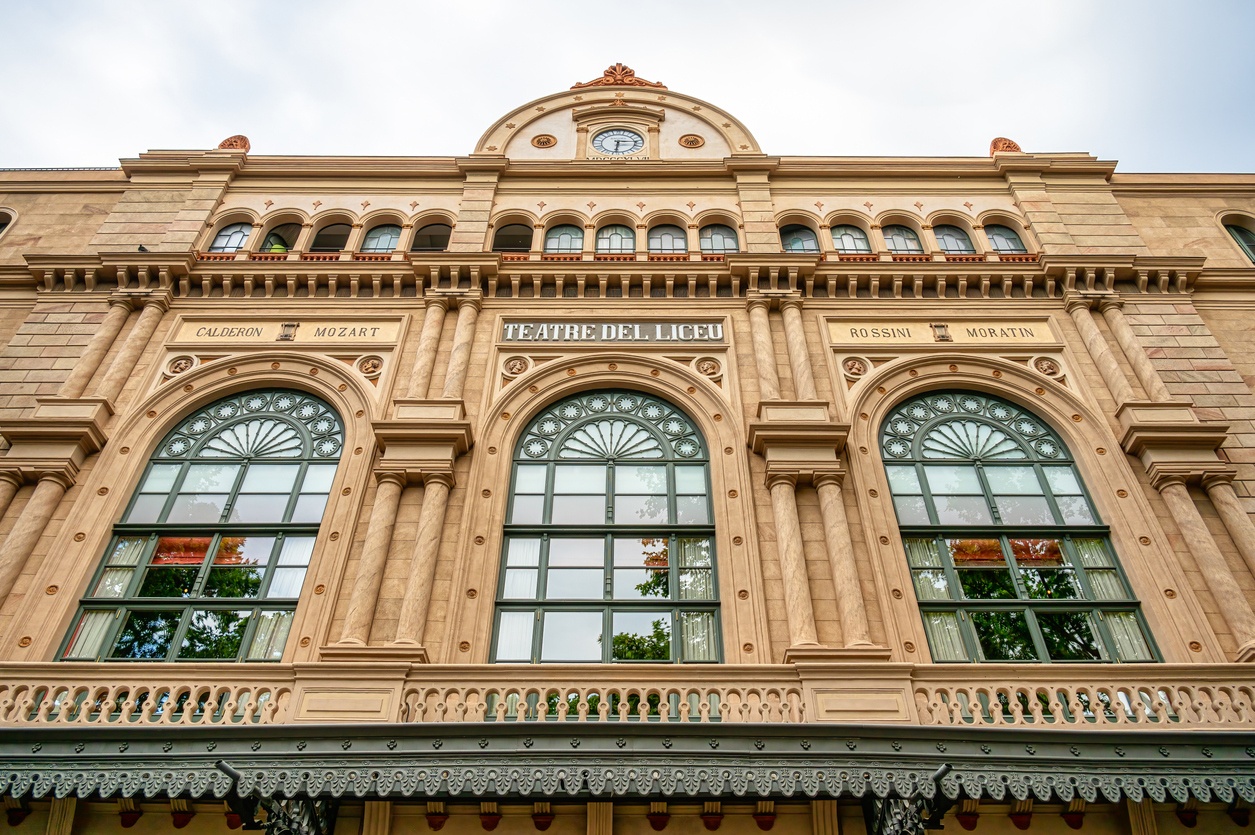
(620, 476)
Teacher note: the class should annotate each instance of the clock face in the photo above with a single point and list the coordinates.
(618, 142)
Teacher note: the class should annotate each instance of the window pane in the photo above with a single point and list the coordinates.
(234, 582)
(921, 553)
(161, 478)
(147, 509)
(1024, 510)
(1075, 510)
(1051, 584)
(527, 510)
(698, 638)
(270, 478)
(1062, 481)
(578, 510)
(690, 480)
(691, 510)
(637, 583)
(1014, 481)
(270, 637)
(951, 479)
(635, 510)
(642, 479)
(244, 550)
(87, 636)
(530, 478)
(296, 550)
(903, 480)
(261, 508)
(309, 508)
(1093, 553)
(1107, 585)
(944, 638)
(579, 478)
(911, 510)
(520, 584)
(1130, 642)
(650, 552)
(571, 636)
(574, 584)
(962, 510)
(514, 636)
(523, 552)
(286, 582)
(168, 582)
(146, 636)
(214, 634)
(1069, 636)
(577, 552)
(181, 550)
(113, 582)
(318, 478)
(697, 584)
(1003, 636)
(931, 584)
(642, 636)
(201, 507)
(987, 584)
(209, 478)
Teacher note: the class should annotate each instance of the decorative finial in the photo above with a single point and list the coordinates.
(239, 142)
(1002, 145)
(619, 75)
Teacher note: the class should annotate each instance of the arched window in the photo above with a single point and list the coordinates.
(1245, 238)
(382, 238)
(953, 240)
(798, 238)
(282, 238)
(434, 237)
(514, 237)
(668, 239)
(1004, 239)
(209, 558)
(331, 238)
(5, 220)
(616, 240)
(565, 239)
(717, 239)
(850, 239)
(609, 540)
(231, 238)
(1009, 559)
(902, 240)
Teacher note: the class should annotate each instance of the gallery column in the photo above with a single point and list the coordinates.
(789, 550)
(102, 340)
(428, 345)
(799, 354)
(764, 351)
(851, 609)
(30, 526)
(370, 568)
(460, 356)
(155, 306)
(412, 620)
(1079, 308)
(1113, 313)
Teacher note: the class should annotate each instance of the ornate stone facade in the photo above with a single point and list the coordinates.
(618, 474)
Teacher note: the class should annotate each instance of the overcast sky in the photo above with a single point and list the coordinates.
(1159, 86)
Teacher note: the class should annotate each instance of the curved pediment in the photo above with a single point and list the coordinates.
(635, 118)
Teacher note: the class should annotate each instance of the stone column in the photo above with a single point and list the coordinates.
(852, 610)
(412, 620)
(600, 819)
(1112, 312)
(428, 344)
(377, 817)
(764, 351)
(1237, 521)
(1233, 605)
(799, 355)
(460, 356)
(1142, 817)
(370, 568)
(1099, 351)
(61, 816)
(10, 482)
(136, 342)
(30, 526)
(797, 591)
(76, 383)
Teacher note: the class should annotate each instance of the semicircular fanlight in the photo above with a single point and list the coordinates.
(258, 438)
(970, 439)
(612, 439)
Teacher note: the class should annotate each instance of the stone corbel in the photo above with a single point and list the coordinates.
(428, 439)
(797, 435)
(58, 436)
(1170, 434)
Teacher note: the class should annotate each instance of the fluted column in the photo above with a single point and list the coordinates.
(102, 340)
(797, 591)
(428, 344)
(412, 620)
(1112, 312)
(799, 354)
(377, 817)
(1232, 603)
(136, 342)
(61, 816)
(764, 351)
(460, 356)
(30, 526)
(1099, 351)
(850, 606)
(370, 568)
(1236, 520)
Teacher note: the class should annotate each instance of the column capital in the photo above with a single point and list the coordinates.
(474, 301)
(159, 299)
(758, 302)
(1074, 301)
(834, 476)
(1110, 303)
(1163, 480)
(1219, 478)
(123, 300)
(400, 477)
(444, 477)
(436, 300)
(13, 477)
(788, 477)
(791, 303)
(61, 476)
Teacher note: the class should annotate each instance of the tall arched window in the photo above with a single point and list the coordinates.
(382, 238)
(1004, 239)
(1245, 238)
(331, 238)
(798, 238)
(902, 240)
(1009, 559)
(565, 239)
(209, 558)
(850, 239)
(717, 239)
(609, 537)
(281, 238)
(434, 237)
(231, 238)
(616, 240)
(953, 240)
(513, 237)
(668, 239)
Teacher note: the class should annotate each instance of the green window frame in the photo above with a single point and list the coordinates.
(208, 560)
(609, 532)
(1008, 557)
(1244, 237)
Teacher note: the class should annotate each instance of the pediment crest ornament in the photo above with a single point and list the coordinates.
(239, 142)
(1002, 145)
(619, 75)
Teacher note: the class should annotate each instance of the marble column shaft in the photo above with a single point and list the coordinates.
(10, 482)
(1232, 603)
(370, 567)
(428, 344)
(789, 550)
(460, 356)
(30, 526)
(412, 620)
(136, 341)
(1142, 366)
(97, 348)
(1234, 516)
(1100, 351)
(799, 354)
(764, 351)
(850, 605)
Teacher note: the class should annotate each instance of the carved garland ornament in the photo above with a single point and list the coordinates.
(619, 75)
